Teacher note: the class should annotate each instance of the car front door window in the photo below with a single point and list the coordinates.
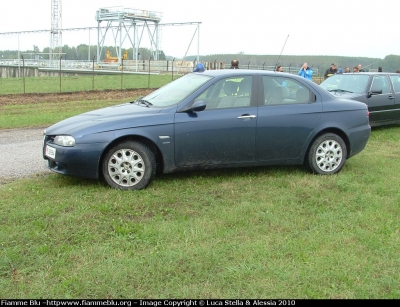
(228, 93)
(381, 83)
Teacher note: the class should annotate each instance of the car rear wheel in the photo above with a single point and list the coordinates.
(129, 166)
(327, 154)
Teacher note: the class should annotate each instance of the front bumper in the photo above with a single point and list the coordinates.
(81, 160)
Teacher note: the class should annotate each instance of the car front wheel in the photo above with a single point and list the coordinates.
(327, 154)
(129, 166)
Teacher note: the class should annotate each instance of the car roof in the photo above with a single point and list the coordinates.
(234, 72)
(222, 72)
(372, 73)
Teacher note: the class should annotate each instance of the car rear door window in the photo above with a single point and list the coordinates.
(396, 83)
(283, 90)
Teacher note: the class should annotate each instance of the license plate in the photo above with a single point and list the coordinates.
(50, 152)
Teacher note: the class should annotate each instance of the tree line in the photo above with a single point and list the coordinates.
(84, 52)
(81, 52)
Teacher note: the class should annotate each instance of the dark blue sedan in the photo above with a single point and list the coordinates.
(217, 118)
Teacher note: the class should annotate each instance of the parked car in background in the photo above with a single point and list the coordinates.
(379, 91)
(213, 119)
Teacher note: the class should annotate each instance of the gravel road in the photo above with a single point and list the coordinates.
(21, 154)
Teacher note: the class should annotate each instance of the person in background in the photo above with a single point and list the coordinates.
(305, 72)
(280, 69)
(398, 71)
(347, 70)
(330, 71)
(340, 70)
(360, 68)
(199, 67)
(355, 69)
(379, 69)
(234, 64)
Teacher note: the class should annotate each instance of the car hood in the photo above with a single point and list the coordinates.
(111, 118)
(346, 95)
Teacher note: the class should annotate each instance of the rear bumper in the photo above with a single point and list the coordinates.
(358, 139)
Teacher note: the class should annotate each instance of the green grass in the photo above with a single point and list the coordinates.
(80, 83)
(45, 114)
(265, 232)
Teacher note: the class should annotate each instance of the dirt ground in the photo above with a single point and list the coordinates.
(72, 96)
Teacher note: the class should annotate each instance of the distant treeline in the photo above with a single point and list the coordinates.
(390, 63)
(79, 53)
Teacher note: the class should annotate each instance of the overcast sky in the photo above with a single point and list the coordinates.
(309, 27)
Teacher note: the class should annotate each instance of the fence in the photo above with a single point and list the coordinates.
(65, 75)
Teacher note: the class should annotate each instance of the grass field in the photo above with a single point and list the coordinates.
(265, 232)
(40, 114)
(80, 83)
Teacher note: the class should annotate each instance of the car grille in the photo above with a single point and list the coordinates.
(50, 139)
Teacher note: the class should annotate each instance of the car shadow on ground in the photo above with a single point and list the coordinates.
(380, 128)
(210, 174)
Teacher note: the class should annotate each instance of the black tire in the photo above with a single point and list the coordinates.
(129, 166)
(326, 155)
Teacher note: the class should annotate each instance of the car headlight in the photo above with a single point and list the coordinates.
(64, 140)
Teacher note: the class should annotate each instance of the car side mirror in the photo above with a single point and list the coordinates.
(197, 106)
(375, 92)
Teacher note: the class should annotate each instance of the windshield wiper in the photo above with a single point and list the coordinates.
(136, 101)
(145, 102)
(340, 90)
(140, 101)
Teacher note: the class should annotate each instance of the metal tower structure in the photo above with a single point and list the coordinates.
(121, 21)
(55, 32)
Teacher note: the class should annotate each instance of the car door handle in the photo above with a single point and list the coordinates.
(246, 116)
(391, 97)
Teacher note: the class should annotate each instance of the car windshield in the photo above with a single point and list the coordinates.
(175, 91)
(354, 83)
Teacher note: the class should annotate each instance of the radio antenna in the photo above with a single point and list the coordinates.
(371, 64)
(281, 52)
